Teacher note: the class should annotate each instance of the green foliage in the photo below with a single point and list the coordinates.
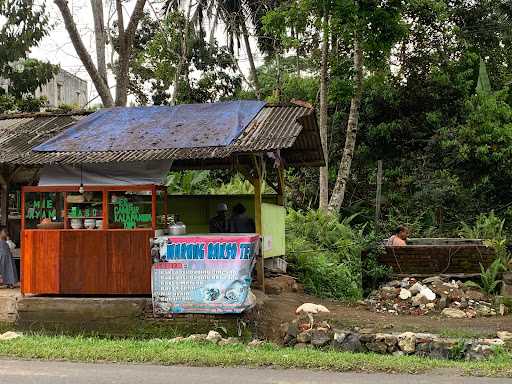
(483, 84)
(325, 254)
(373, 272)
(487, 226)
(482, 144)
(30, 104)
(27, 75)
(446, 150)
(457, 352)
(489, 277)
(24, 25)
(7, 104)
(210, 74)
(188, 182)
(155, 351)
(491, 228)
(290, 76)
(209, 183)
(237, 185)
(68, 107)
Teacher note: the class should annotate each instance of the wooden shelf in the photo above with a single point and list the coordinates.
(85, 202)
(134, 202)
(85, 217)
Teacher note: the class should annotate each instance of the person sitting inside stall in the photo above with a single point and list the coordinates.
(240, 222)
(219, 223)
(399, 237)
(7, 266)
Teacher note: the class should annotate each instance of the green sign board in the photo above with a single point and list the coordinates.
(128, 214)
(77, 213)
(41, 209)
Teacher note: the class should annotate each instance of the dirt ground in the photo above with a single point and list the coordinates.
(278, 309)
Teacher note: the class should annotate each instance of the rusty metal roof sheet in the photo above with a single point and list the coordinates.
(156, 127)
(290, 128)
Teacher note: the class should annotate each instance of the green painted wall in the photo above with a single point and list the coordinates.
(196, 210)
(273, 223)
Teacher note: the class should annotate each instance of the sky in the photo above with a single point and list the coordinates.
(58, 49)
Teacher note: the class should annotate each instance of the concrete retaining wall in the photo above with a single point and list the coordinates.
(118, 317)
(8, 305)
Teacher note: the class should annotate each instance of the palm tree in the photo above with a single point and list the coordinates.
(236, 15)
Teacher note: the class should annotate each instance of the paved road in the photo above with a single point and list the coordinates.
(42, 372)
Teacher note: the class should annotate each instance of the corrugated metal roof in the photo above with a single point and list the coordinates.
(157, 127)
(292, 129)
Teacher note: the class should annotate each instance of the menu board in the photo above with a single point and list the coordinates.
(203, 273)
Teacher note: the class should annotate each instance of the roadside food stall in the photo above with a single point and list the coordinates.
(95, 223)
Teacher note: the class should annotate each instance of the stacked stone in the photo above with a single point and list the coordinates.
(432, 295)
(406, 343)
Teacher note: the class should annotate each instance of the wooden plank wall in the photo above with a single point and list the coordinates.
(86, 262)
(40, 262)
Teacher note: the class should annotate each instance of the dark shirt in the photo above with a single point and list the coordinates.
(218, 224)
(242, 224)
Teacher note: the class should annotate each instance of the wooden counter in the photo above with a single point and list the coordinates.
(106, 262)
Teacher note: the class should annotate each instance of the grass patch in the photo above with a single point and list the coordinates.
(463, 333)
(94, 349)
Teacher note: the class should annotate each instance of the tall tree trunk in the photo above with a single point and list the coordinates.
(97, 79)
(126, 37)
(324, 171)
(183, 57)
(99, 34)
(338, 194)
(254, 74)
(214, 26)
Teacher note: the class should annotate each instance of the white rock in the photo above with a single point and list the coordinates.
(427, 293)
(10, 335)
(494, 342)
(407, 342)
(453, 313)
(255, 343)
(416, 288)
(196, 337)
(229, 341)
(214, 337)
(405, 294)
(504, 335)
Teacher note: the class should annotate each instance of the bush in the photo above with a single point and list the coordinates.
(31, 104)
(325, 254)
(373, 273)
(7, 104)
(487, 227)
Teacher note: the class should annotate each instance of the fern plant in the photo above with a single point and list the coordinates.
(487, 226)
(489, 278)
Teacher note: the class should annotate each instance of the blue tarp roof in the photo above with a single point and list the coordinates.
(156, 127)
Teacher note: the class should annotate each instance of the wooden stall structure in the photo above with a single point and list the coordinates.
(111, 256)
(19, 131)
(252, 138)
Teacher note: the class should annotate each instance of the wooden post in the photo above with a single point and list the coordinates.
(105, 208)
(281, 198)
(378, 197)
(260, 272)
(4, 203)
(153, 208)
